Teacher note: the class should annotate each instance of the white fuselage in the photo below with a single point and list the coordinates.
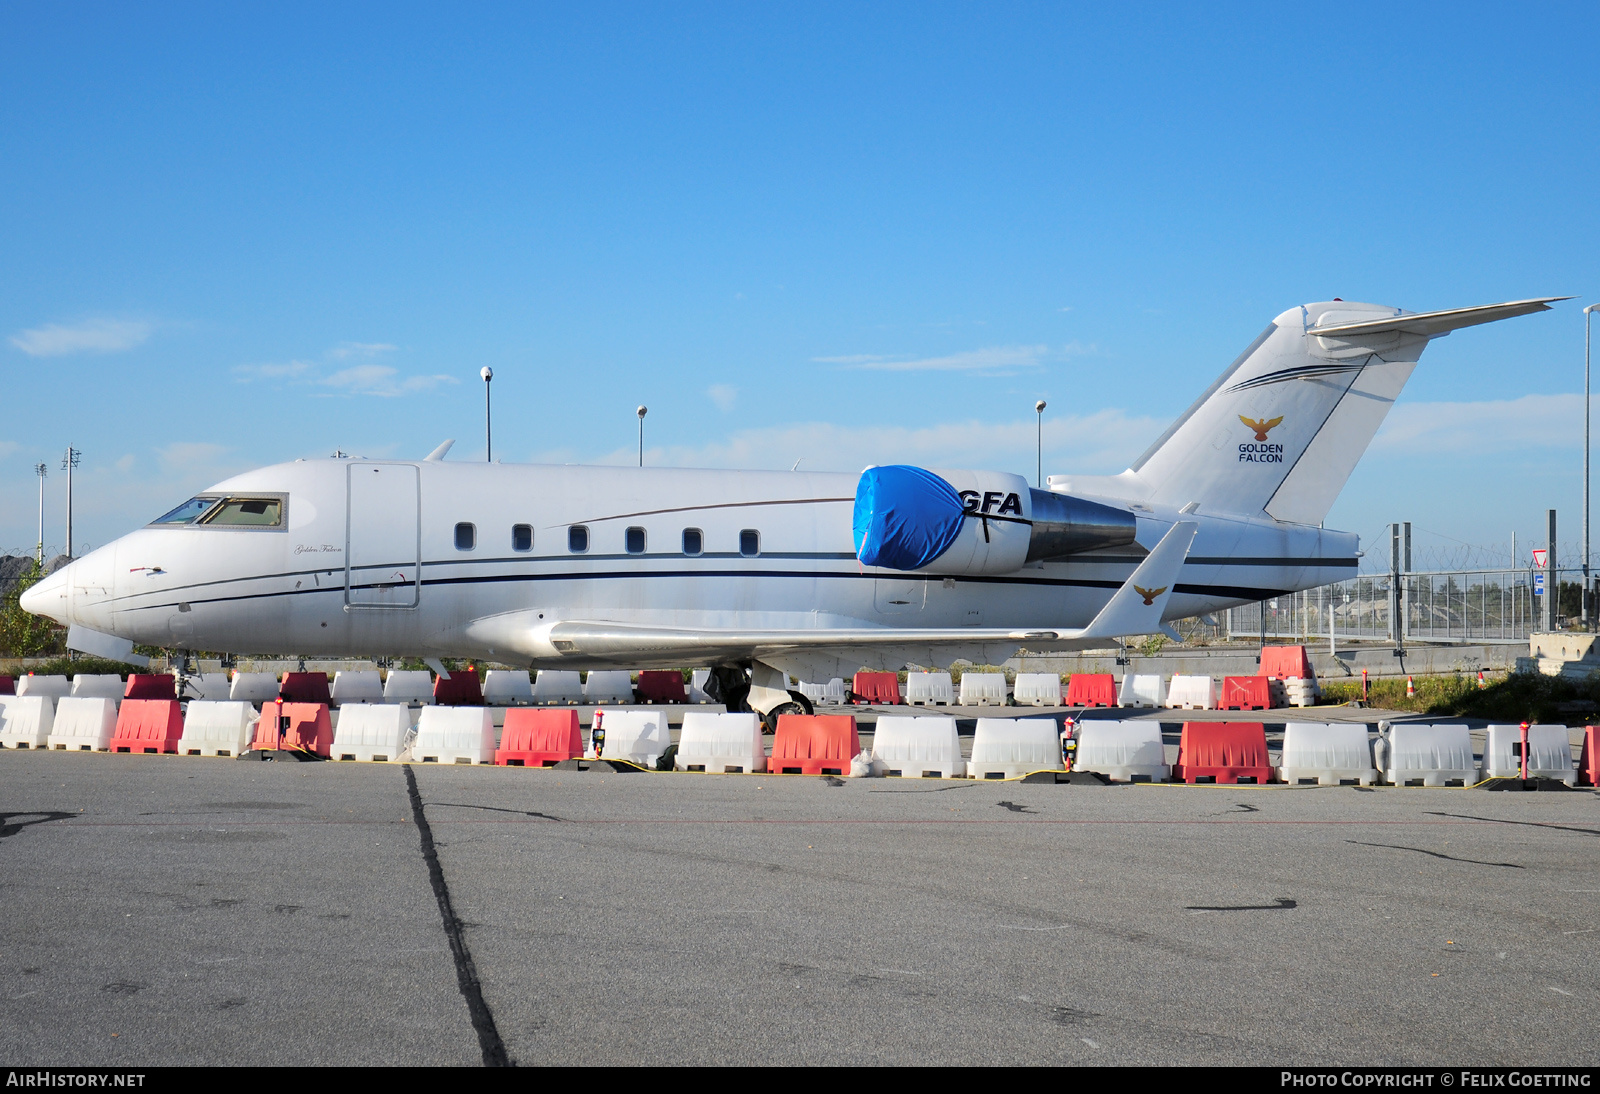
(368, 563)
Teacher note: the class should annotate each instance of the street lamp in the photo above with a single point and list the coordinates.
(488, 427)
(642, 412)
(1588, 314)
(68, 462)
(1038, 472)
(41, 470)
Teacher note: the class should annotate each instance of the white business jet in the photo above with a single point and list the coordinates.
(762, 574)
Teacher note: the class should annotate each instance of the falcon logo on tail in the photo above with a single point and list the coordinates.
(1262, 428)
(1149, 594)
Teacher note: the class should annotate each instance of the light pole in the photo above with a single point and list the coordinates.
(642, 412)
(41, 470)
(68, 462)
(1588, 314)
(488, 422)
(1038, 472)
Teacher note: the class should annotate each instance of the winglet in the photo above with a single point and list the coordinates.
(438, 453)
(1136, 607)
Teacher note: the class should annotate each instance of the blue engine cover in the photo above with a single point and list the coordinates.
(905, 517)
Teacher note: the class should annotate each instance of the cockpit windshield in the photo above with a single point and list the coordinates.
(189, 512)
(216, 511)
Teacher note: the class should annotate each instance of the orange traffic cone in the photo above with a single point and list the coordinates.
(1481, 684)
(1411, 688)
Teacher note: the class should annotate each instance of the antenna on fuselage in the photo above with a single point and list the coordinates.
(438, 453)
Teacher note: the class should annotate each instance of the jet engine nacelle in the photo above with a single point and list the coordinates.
(973, 522)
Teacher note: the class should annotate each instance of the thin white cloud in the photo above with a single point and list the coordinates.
(1495, 425)
(90, 336)
(723, 395)
(1105, 442)
(362, 379)
(185, 456)
(992, 359)
(346, 350)
(8, 447)
(988, 359)
(380, 380)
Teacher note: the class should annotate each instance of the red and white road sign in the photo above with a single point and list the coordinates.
(1541, 556)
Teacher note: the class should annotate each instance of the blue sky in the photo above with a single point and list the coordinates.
(839, 234)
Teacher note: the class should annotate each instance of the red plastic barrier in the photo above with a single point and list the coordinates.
(662, 686)
(815, 744)
(304, 687)
(1091, 689)
(301, 727)
(1245, 693)
(8, 685)
(539, 738)
(877, 687)
(1283, 662)
(149, 686)
(1589, 759)
(461, 690)
(148, 725)
(1224, 751)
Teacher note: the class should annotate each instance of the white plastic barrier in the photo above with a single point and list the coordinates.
(918, 748)
(1006, 748)
(408, 686)
(1328, 752)
(811, 691)
(26, 720)
(929, 689)
(835, 691)
(1301, 691)
(1037, 689)
(98, 686)
(212, 728)
(507, 687)
(356, 686)
(1192, 693)
(1123, 751)
(1549, 753)
(716, 742)
(1141, 691)
(210, 686)
(372, 732)
(983, 689)
(253, 687)
(557, 686)
(84, 725)
(1436, 755)
(52, 687)
(697, 686)
(454, 735)
(608, 686)
(638, 736)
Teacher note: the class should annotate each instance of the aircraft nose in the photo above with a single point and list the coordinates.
(48, 597)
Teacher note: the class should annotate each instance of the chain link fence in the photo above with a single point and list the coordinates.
(1447, 606)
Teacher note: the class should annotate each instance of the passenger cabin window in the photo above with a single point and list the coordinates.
(633, 540)
(749, 543)
(694, 541)
(522, 537)
(577, 539)
(466, 536)
(189, 512)
(246, 513)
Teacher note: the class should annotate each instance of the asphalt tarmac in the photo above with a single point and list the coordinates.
(165, 910)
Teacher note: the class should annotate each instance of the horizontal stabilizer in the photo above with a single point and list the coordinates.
(1431, 324)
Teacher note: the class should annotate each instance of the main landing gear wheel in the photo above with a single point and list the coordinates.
(798, 704)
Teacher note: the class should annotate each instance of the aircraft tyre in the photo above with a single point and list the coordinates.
(798, 704)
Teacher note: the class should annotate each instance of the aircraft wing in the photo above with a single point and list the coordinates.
(1135, 608)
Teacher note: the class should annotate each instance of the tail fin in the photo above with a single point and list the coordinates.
(1283, 427)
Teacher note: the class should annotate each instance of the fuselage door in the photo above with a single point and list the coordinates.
(383, 536)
